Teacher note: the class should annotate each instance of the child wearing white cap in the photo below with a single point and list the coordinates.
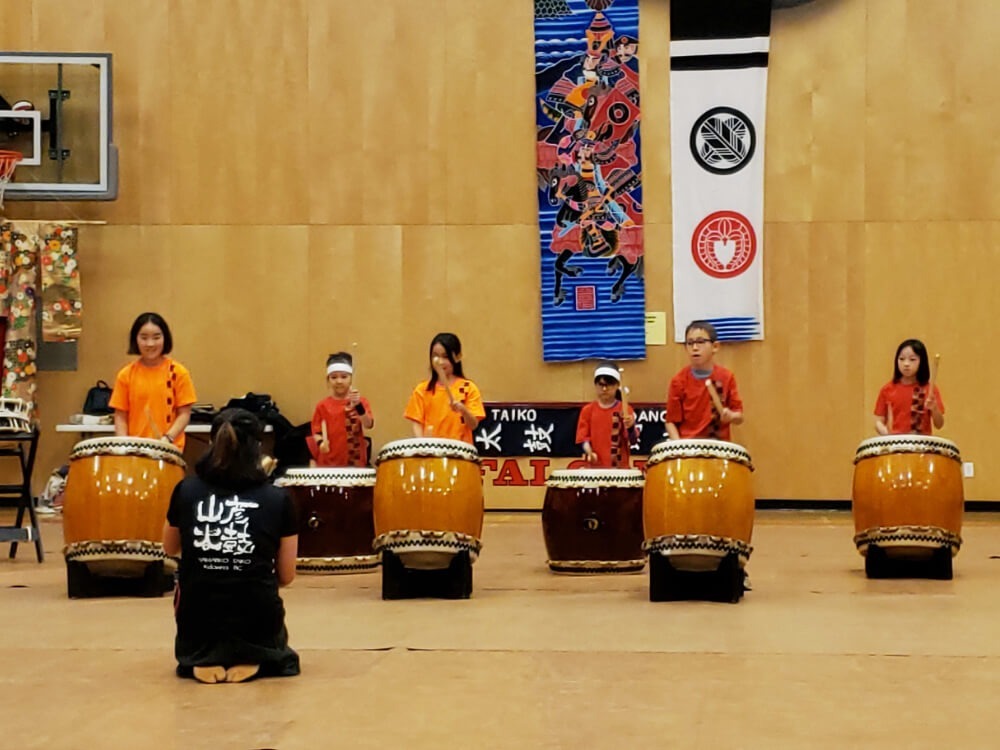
(603, 431)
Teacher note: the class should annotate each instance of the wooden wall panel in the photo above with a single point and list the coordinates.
(360, 176)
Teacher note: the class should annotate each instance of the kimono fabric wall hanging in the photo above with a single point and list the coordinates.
(718, 86)
(589, 179)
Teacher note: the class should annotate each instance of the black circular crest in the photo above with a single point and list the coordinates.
(723, 140)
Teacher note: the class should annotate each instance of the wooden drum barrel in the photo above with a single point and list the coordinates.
(592, 521)
(117, 494)
(336, 527)
(908, 494)
(428, 501)
(698, 503)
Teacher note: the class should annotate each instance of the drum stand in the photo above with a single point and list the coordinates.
(880, 563)
(82, 583)
(400, 582)
(668, 584)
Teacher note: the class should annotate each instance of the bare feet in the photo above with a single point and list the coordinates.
(241, 672)
(210, 675)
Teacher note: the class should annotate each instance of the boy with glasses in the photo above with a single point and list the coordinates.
(691, 412)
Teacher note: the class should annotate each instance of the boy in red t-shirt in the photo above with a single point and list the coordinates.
(691, 412)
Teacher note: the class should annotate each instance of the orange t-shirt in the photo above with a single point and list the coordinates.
(909, 414)
(433, 411)
(159, 390)
(689, 404)
(596, 426)
(344, 430)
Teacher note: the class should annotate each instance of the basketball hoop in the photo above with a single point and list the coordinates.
(8, 162)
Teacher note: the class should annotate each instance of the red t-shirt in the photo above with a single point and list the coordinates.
(689, 404)
(597, 425)
(909, 414)
(348, 446)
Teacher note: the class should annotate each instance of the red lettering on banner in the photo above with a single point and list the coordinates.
(578, 464)
(510, 475)
(538, 466)
(640, 464)
(487, 463)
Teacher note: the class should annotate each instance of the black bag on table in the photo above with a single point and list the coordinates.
(98, 400)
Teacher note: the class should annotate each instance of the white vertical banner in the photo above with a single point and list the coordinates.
(718, 92)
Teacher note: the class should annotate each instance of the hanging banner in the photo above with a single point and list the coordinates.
(718, 88)
(589, 179)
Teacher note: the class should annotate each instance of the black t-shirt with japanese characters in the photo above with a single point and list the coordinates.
(228, 609)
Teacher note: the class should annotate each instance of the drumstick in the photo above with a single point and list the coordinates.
(888, 416)
(326, 438)
(715, 396)
(934, 373)
(624, 390)
(438, 367)
(268, 464)
(157, 435)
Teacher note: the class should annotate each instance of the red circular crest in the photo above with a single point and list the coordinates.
(724, 244)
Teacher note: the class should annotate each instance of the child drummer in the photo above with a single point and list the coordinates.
(606, 427)
(703, 400)
(340, 420)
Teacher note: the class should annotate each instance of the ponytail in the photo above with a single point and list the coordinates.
(233, 457)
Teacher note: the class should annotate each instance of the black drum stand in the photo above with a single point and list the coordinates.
(880, 563)
(668, 584)
(400, 582)
(83, 583)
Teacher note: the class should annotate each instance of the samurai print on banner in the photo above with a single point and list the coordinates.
(718, 87)
(589, 179)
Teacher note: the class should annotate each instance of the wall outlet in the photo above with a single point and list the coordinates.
(968, 469)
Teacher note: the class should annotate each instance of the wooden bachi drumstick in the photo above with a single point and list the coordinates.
(157, 435)
(439, 368)
(715, 396)
(268, 464)
(326, 438)
(888, 416)
(934, 374)
(624, 390)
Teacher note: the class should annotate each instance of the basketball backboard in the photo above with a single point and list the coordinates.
(55, 108)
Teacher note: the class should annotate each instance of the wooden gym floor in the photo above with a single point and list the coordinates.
(816, 656)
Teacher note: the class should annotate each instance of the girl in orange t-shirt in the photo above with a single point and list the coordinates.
(603, 431)
(340, 420)
(906, 404)
(448, 405)
(153, 395)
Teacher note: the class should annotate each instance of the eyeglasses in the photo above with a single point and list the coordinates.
(696, 342)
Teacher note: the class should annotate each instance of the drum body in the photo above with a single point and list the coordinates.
(698, 502)
(908, 494)
(336, 527)
(428, 501)
(117, 494)
(592, 521)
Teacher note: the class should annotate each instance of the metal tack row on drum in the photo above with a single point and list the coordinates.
(420, 513)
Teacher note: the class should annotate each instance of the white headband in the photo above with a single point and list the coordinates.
(339, 367)
(608, 372)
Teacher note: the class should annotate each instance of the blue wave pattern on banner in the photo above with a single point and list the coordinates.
(589, 179)
(736, 329)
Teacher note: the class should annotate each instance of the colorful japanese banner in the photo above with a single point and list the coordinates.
(718, 87)
(589, 179)
(19, 271)
(61, 303)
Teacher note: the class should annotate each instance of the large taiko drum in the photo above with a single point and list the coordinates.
(336, 527)
(908, 494)
(428, 501)
(698, 503)
(117, 494)
(592, 521)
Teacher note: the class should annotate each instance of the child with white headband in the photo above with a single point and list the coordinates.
(603, 432)
(340, 420)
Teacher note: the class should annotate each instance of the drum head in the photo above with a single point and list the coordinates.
(595, 478)
(325, 476)
(886, 444)
(128, 446)
(428, 447)
(698, 448)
